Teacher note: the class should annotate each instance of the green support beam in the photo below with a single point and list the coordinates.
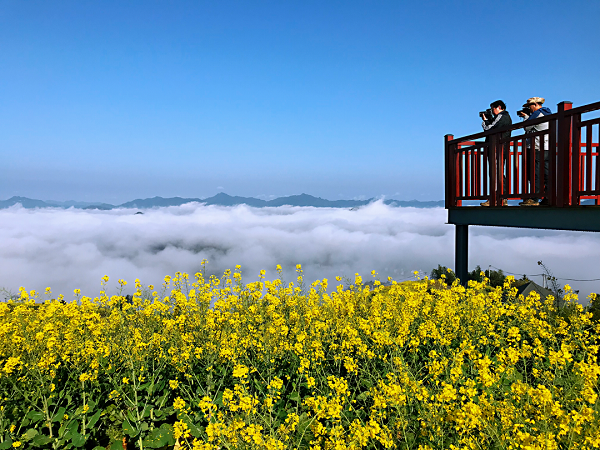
(574, 218)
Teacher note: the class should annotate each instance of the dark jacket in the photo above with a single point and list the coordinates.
(500, 121)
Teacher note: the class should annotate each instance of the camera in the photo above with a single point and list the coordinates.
(488, 113)
(524, 112)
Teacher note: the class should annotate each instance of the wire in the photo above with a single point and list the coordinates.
(573, 279)
(512, 273)
(542, 274)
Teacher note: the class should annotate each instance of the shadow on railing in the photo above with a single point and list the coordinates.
(499, 169)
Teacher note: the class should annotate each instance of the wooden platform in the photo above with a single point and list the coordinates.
(576, 218)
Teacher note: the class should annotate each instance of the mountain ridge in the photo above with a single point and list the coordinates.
(220, 199)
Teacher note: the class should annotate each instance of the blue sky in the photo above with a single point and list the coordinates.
(115, 100)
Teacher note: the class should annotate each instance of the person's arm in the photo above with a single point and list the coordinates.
(535, 115)
(488, 125)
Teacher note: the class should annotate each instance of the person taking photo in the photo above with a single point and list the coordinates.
(500, 118)
(537, 110)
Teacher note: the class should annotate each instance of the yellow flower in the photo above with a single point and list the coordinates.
(84, 377)
(179, 404)
(240, 371)
(181, 430)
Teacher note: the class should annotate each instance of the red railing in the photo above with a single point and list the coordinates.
(498, 169)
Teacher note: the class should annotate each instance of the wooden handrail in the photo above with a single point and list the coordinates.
(514, 126)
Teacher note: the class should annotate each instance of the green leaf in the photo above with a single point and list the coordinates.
(73, 426)
(115, 444)
(78, 440)
(131, 417)
(59, 415)
(160, 437)
(219, 400)
(295, 397)
(35, 416)
(194, 430)
(259, 386)
(94, 419)
(281, 414)
(129, 429)
(40, 440)
(6, 444)
(363, 396)
(30, 434)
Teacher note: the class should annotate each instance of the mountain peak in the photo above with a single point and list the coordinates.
(220, 199)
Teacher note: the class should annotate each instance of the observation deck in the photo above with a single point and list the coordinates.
(486, 166)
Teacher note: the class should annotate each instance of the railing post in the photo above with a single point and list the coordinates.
(450, 198)
(563, 139)
(575, 158)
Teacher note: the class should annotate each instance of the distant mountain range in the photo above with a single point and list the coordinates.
(220, 199)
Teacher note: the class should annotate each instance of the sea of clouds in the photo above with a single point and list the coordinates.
(69, 249)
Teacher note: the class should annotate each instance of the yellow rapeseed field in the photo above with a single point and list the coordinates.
(215, 363)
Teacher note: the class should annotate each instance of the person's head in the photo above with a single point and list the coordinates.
(534, 103)
(497, 107)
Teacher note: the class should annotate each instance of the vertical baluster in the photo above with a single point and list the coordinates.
(503, 188)
(474, 171)
(582, 156)
(516, 165)
(524, 165)
(468, 173)
(478, 172)
(588, 158)
(598, 168)
(542, 157)
(486, 169)
(460, 174)
(531, 165)
(509, 176)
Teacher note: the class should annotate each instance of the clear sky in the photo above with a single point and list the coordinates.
(115, 100)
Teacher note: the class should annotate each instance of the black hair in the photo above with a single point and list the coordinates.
(497, 103)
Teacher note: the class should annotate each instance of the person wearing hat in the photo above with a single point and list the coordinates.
(537, 110)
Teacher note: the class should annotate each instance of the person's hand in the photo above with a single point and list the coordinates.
(483, 117)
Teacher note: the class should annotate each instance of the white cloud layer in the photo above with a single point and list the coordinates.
(68, 249)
